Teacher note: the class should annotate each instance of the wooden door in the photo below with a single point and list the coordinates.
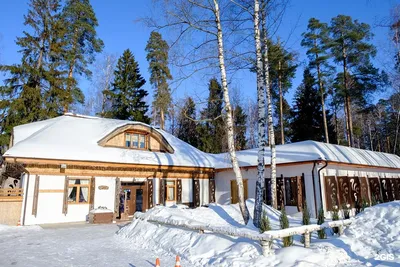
(235, 193)
(136, 198)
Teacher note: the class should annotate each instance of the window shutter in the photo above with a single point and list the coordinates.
(211, 185)
(92, 192)
(163, 194)
(35, 196)
(179, 191)
(65, 198)
(196, 192)
(150, 193)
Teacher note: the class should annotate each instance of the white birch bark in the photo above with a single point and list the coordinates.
(269, 114)
(229, 119)
(261, 118)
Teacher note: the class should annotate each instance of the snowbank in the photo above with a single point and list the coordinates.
(4, 228)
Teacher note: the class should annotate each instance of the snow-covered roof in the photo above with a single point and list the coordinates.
(310, 151)
(76, 137)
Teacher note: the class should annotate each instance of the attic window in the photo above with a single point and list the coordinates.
(135, 140)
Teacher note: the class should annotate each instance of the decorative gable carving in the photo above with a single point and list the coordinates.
(154, 140)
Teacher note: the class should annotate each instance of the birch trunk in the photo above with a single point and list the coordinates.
(229, 119)
(261, 119)
(281, 104)
(397, 132)
(269, 114)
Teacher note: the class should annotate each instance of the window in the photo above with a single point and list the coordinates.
(135, 140)
(78, 191)
(171, 191)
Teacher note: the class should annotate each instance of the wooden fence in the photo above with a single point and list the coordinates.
(10, 205)
(345, 190)
(265, 238)
(11, 194)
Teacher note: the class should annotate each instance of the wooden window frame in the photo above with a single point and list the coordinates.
(78, 190)
(167, 192)
(139, 134)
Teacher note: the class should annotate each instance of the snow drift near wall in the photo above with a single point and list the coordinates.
(373, 232)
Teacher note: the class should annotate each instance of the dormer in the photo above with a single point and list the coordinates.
(138, 137)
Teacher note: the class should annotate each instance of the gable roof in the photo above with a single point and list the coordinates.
(310, 151)
(75, 137)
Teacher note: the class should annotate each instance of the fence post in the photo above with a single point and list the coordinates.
(266, 246)
(306, 239)
(341, 230)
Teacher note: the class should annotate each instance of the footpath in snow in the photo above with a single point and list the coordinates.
(372, 239)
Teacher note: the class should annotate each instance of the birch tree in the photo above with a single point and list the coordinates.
(204, 18)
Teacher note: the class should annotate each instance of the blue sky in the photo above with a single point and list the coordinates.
(119, 32)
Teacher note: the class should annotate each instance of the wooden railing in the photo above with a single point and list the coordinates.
(9, 194)
(265, 238)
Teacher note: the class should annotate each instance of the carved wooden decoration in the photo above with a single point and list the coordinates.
(117, 198)
(150, 193)
(331, 192)
(345, 196)
(280, 192)
(179, 191)
(364, 189)
(355, 189)
(392, 186)
(196, 193)
(386, 190)
(291, 191)
(211, 193)
(396, 182)
(300, 192)
(375, 188)
(162, 191)
(35, 196)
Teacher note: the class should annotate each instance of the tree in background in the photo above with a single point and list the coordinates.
(286, 118)
(126, 95)
(186, 128)
(350, 48)
(282, 69)
(306, 114)
(316, 40)
(239, 125)
(212, 130)
(34, 84)
(157, 55)
(82, 44)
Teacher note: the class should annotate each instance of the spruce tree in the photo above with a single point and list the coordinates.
(321, 220)
(186, 129)
(307, 122)
(284, 222)
(305, 219)
(82, 44)
(264, 223)
(212, 131)
(157, 56)
(316, 40)
(239, 125)
(38, 76)
(127, 95)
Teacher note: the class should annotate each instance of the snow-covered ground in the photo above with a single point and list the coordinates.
(372, 239)
(73, 245)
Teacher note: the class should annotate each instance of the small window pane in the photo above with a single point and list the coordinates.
(84, 181)
(171, 183)
(142, 141)
(83, 196)
(72, 193)
(72, 181)
(127, 140)
(135, 140)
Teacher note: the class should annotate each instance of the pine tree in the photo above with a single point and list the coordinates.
(33, 85)
(239, 125)
(157, 55)
(316, 40)
(350, 48)
(127, 95)
(82, 44)
(284, 222)
(307, 122)
(187, 129)
(212, 131)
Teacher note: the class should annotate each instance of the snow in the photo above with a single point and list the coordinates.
(72, 137)
(76, 137)
(78, 245)
(373, 232)
(310, 151)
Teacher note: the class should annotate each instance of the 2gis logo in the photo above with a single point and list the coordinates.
(385, 257)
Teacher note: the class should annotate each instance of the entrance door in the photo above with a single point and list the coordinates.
(136, 197)
(235, 193)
